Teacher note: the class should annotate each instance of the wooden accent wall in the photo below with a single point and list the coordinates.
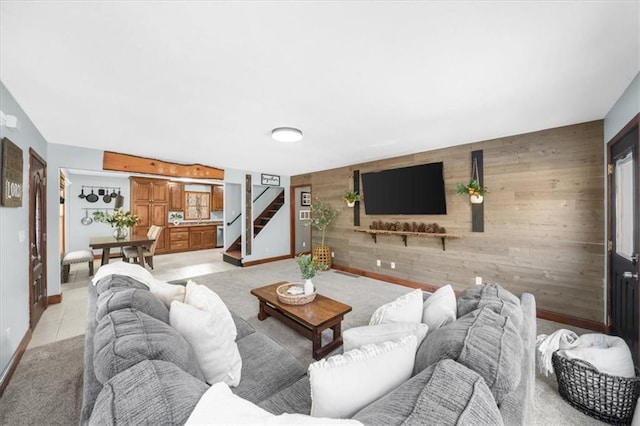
(544, 220)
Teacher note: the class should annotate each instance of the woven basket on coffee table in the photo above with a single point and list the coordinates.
(293, 299)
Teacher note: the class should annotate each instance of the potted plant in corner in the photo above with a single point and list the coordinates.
(322, 215)
(350, 197)
(474, 190)
(308, 270)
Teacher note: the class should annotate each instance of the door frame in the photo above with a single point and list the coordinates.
(293, 217)
(633, 123)
(34, 154)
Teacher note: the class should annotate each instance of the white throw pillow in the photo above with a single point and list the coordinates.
(407, 308)
(344, 384)
(440, 308)
(166, 292)
(132, 270)
(356, 337)
(219, 406)
(212, 341)
(204, 298)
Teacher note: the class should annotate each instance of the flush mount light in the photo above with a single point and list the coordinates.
(286, 134)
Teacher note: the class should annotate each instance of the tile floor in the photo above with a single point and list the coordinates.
(69, 318)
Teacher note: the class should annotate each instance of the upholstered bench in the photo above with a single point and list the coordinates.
(77, 256)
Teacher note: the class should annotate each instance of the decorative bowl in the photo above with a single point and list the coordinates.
(286, 297)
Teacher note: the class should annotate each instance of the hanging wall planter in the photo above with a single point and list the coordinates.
(350, 197)
(476, 199)
(474, 188)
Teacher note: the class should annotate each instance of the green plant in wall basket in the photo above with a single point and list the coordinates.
(473, 189)
(350, 197)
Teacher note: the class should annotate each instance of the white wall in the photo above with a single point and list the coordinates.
(625, 108)
(14, 234)
(274, 240)
(61, 157)
(77, 234)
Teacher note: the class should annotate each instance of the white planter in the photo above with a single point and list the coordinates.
(351, 203)
(476, 199)
(308, 286)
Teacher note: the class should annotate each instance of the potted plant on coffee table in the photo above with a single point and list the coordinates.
(322, 215)
(308, 270)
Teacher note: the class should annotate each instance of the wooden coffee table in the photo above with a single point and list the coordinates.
(310, 320)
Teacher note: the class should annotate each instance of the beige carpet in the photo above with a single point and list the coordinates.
(46, 388)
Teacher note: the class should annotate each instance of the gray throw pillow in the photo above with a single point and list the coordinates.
(485, 342)
(446, 393)
(126, 337)
(118, 281)
(117, 298)
(151, 392)
(492, 296)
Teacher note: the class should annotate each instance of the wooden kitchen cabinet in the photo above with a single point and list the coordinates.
(176, 196)
(202, 237)
(217, 198)
(150, 201)
(197, 237)
(179, 239)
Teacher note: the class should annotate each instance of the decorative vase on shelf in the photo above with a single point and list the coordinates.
(308, 286)
(120, 233)
(476, 199)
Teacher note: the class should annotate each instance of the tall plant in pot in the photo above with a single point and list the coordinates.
(322, 215)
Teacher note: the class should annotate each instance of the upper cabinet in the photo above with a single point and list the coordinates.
(149, 190)
(176, 196)
(217, 198)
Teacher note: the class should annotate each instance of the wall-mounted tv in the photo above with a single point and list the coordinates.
(408, 190)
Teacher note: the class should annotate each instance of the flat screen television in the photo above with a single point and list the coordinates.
(409, 190)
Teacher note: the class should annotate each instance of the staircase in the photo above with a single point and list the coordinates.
(263, 219)
(233, 254)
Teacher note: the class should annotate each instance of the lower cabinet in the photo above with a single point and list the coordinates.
(185, 238)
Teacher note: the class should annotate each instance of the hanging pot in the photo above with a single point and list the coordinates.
(113, 194)
(92, 198)
(82, 193)
(476, 199)
(106, 198)
(101, 192)
(86, 220)
(119, 201)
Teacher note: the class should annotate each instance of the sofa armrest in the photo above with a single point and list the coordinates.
(518, 405)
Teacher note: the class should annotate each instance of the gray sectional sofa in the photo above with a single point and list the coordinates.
(138, 370)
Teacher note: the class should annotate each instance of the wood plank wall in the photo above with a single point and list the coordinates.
(544, 220)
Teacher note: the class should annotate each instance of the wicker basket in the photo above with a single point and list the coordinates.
(293, 299)
(322, 257)
(611, 399)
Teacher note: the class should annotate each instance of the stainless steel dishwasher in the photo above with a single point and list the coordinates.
(219, 236)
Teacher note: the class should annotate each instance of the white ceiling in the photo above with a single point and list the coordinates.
(206, 82)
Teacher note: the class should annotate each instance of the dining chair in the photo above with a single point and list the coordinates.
(131, 253)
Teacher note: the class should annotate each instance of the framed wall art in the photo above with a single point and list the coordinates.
(305, 198)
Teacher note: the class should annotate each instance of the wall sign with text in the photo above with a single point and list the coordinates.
(11, 174)
(272, 180)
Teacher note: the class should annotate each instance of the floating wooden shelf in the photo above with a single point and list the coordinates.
(404, 234)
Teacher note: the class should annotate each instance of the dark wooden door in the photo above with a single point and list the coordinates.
(624, 230)
(37, 237)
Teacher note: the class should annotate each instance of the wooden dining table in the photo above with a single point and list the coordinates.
(107, 243)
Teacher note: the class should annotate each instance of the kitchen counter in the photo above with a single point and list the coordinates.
(191, 224)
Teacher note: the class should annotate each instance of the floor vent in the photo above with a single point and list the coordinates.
(349, 274)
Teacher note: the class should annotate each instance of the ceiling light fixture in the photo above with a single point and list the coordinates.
(286, 134)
